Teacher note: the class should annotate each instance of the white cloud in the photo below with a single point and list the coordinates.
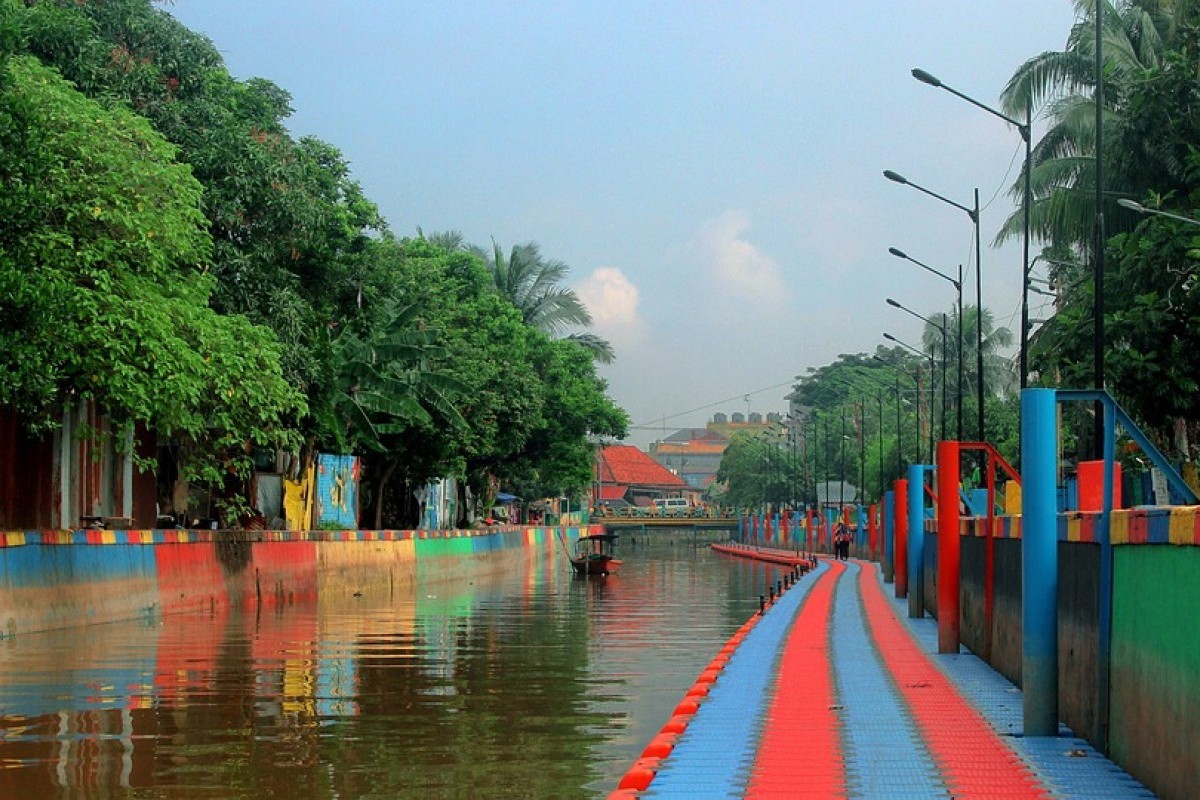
(613, 301)
(734, 263)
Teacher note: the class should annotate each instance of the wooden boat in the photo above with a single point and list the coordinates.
(593, 555)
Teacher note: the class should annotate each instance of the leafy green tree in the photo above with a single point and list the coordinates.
(409, 354)
(386, 383)
(559, 456)
(877, 396)
(105, 295)
(290, 230)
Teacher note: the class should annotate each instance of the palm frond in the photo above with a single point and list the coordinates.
(600, 349)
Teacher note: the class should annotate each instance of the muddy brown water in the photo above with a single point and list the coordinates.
(537, 684)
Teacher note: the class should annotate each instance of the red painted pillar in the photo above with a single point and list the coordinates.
(872, 533)
(808, 532)
(900, 548)
(948, 546)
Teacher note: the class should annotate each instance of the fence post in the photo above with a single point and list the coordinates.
(948, 546)
(916, 541)
(900, 549)
(1039, 562)
(889, 534)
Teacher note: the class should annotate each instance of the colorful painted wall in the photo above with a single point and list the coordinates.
(1155, 724)
(59, 579)
(1153, 727)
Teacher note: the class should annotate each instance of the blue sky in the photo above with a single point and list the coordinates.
(711, 171)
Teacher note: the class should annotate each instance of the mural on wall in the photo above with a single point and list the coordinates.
(439, 504)
(298, 499)
(337, 492)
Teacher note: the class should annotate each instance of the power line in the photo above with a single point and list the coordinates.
(656, 424)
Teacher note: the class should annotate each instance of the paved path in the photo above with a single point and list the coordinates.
(834, 692)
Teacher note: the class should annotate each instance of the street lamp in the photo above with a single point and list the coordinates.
(879, 386)
(973, 214)
(942, 329)
(862, 428)
(1026, 131)
(842, 465)
(958, 287)
(899, 429)
(917, 381)
(1133, 205)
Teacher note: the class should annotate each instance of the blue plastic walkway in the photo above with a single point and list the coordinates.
(811, 705)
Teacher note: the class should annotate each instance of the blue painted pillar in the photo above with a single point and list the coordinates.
(889, 534)
(916, 541)
(1039, 562)
(1104, 536)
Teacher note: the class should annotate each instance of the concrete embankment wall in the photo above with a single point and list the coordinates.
(60, 579)
(1153, 726)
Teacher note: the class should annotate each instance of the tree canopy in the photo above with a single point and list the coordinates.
(171, 253)
(1151, 53)
(101, 271)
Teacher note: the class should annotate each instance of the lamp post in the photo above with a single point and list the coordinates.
(942, 329)
(820, 454)
(958, 287)
(973, 213)
(880, 386)
(1133, 205)
(808, 455)
(861, 494)
(1026, 130)
(842, 465)
(917, 381)
(899, 429)
(862, 429)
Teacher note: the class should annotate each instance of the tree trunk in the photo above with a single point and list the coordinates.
(384, 477)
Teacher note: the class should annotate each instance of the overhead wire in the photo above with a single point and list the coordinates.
(656, 423)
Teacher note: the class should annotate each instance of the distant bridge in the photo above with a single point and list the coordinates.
(615, 524)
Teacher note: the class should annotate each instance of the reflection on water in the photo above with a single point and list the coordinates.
(536, 684)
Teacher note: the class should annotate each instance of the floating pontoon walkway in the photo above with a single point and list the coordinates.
(834, 692)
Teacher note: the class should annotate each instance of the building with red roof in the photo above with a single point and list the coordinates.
(624, 472)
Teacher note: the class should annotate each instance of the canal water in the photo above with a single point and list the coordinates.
(537, 684)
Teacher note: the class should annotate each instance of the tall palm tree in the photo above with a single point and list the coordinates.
(998, 373)
(531, 283)
(1135, 36)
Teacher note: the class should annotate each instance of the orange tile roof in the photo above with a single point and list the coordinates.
(628, 465)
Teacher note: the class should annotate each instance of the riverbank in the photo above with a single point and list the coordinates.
(62, 579)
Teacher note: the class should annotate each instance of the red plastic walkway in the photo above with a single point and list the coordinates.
(834, 693)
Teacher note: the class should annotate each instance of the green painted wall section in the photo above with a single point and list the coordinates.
(434, 548)
(1155, 713)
